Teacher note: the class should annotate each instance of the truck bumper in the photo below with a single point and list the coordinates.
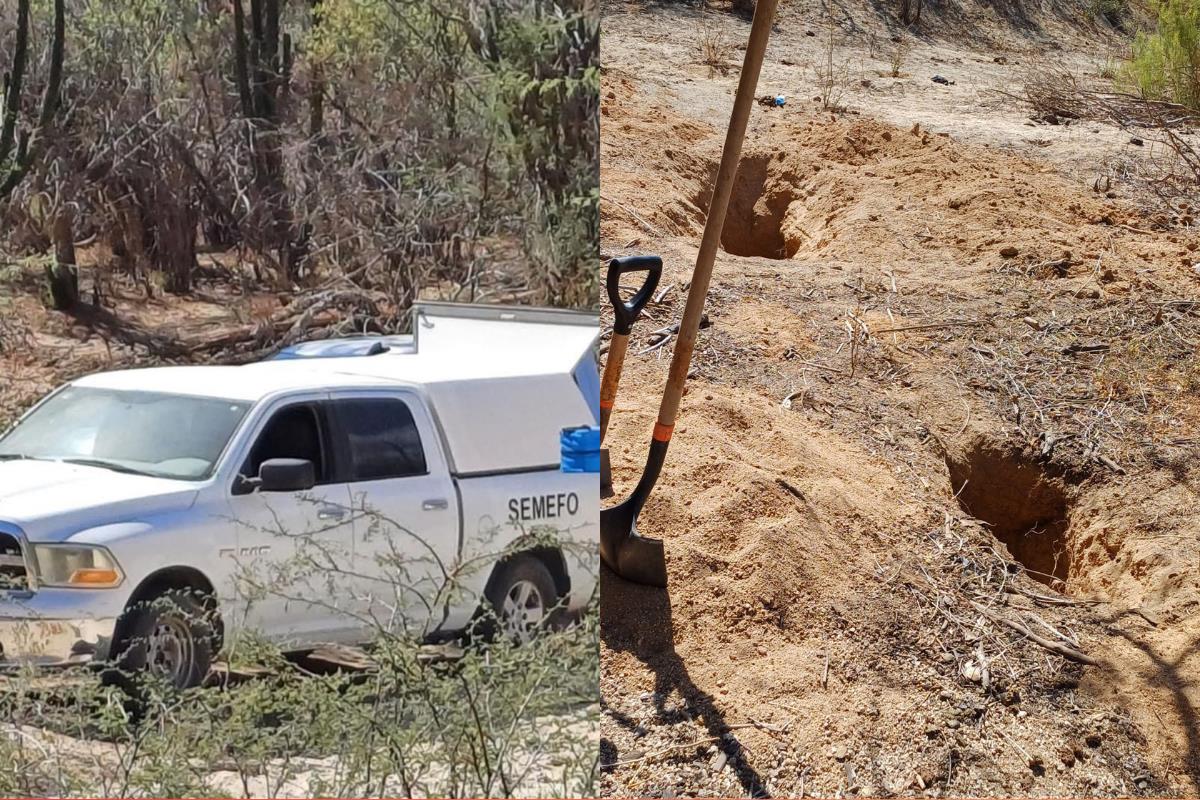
(55, 628)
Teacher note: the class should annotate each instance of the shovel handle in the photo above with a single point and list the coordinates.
(626, 313)
(693, 311)
(612, 379)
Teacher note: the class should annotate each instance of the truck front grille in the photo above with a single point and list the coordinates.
(14, 575)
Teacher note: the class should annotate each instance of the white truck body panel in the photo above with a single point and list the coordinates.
(489, 390)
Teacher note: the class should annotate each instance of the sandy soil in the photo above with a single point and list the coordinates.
(948, 392)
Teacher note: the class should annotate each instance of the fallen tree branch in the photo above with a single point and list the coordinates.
(288, 326)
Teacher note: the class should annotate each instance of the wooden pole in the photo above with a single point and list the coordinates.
(689, 328)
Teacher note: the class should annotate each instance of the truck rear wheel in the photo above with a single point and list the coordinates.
(170, 637)
(523, 598)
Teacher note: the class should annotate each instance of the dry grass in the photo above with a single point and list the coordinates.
(715, 49)
(897, 56)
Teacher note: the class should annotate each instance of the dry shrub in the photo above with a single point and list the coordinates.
(1170, 172)
(387, 144)
(15, 335)
(897, 55)
(1055, 94)
(831, 77)
(715, 49)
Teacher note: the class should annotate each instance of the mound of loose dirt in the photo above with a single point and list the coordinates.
(928, 511)
(853, 191)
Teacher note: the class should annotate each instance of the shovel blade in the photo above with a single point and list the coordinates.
(635, 558)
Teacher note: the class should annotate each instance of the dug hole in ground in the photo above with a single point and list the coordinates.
(930, 506)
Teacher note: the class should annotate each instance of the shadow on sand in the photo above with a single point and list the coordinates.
(1169, 674)
(637, 620)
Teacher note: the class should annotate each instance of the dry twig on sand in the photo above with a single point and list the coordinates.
(1054, 647)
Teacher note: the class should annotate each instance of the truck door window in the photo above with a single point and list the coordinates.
(293, 432)
(383, 439)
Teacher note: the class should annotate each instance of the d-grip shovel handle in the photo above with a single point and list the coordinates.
(626, 313)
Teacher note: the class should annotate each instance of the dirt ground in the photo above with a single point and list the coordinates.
(929, 507)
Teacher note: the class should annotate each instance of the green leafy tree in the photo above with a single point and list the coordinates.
(1166, 61)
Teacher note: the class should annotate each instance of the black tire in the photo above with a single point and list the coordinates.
(522, 600)
(170, 636)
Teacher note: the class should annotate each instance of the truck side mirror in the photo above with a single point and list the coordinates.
(286, 475)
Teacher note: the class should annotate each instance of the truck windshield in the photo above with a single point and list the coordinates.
(146, 433)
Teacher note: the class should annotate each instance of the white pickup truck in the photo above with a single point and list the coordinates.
(346, 487)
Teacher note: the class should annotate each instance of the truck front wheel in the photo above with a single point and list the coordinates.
(523, 598)
(169, 636)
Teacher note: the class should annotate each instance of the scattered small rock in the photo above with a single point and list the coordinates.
(1136, 142)
(1009, 252)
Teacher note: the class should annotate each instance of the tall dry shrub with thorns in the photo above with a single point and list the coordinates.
(416, 149)
(22, 145)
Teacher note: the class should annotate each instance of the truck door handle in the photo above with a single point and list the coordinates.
(439, 504)
(331, 513)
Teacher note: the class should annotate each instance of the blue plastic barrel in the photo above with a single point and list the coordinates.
(581, 449)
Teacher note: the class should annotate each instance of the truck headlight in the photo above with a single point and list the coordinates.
(77, 566)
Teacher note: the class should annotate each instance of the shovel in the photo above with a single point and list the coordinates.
(637, 558)
(624, 315)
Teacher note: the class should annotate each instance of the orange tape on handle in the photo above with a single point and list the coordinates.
(662, 433)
